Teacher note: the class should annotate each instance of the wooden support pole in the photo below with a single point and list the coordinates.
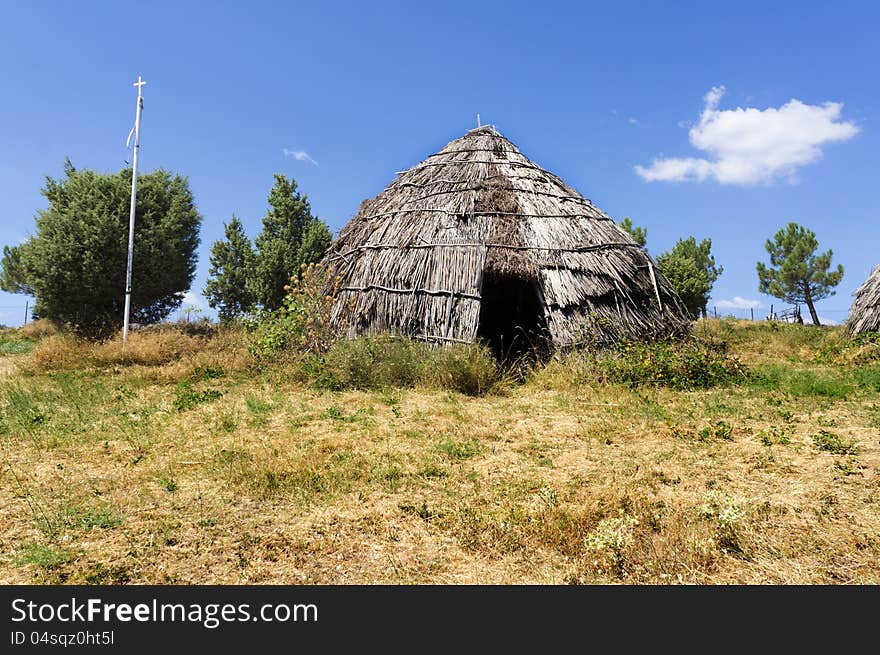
(654, 282)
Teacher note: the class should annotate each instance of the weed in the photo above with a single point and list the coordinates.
(43, 556)
(459, 450)
(388, 475)
(720, 430)
(835, 444)
(682, 365)
(227, 423)
(773, 436)
(422, 511)
(432, 470)
(849, 466)
(609, 541)
(728, 514)
(102, 574)
(16, 346)
(257, 406)
(187, 398)
(168, 483)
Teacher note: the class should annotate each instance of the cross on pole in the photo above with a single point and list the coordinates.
(137, 137)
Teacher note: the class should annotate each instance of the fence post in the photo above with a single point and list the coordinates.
(715, 310)
(752, 311)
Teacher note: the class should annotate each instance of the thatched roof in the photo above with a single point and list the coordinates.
(415, 258)
(864, 316)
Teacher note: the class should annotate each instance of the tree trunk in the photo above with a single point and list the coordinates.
(809, 300)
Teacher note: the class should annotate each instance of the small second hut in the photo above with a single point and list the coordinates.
(864, 316)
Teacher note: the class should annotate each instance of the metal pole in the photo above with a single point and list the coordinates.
(134, 181)
(27, 305)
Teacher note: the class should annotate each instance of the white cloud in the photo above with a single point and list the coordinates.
(828, 321)
(634, 121)
(192, 300)
(749, 145)
(739, 302)
(299, 155)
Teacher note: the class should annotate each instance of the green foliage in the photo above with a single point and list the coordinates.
(797, 274)
(775, 435)
(835, 444)
(721, 430)
(639, 234)
(16, 346)
(691, 270)
(168, 483)
(688, 364)
(42, 556)
(301, 323)
(188, 398)
(230, 288)
(75, 263)
(291, 237)
(13, 278)
(459, 450)
(609, 542)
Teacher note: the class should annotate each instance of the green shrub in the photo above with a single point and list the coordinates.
(683, 365)
(16, 346)
(187, 398)
(301, 323)
(834, 443)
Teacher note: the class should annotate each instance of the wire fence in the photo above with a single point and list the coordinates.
(827, 316)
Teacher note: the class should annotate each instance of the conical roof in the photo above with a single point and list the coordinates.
(415, 258)
(864, 316)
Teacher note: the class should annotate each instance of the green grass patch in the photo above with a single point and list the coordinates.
(188, 398)
(459, 450)
(16, 346)
(43, 556)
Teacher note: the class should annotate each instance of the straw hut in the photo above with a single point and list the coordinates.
(478, 242)
(864, 316)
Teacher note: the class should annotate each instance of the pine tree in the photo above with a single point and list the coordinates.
(229, 289)
(796, 273)
(691, 270)
(639, 234)
(291, 237)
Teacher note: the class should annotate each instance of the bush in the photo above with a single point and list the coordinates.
(833, 443)
(683, 365)
(302, 323)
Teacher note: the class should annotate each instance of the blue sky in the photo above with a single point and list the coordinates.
(723, 121)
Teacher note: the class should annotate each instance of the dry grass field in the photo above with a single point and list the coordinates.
(185, 462)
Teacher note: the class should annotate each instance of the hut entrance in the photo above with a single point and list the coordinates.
(511, 315)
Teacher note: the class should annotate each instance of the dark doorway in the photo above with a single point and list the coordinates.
(511, 316)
